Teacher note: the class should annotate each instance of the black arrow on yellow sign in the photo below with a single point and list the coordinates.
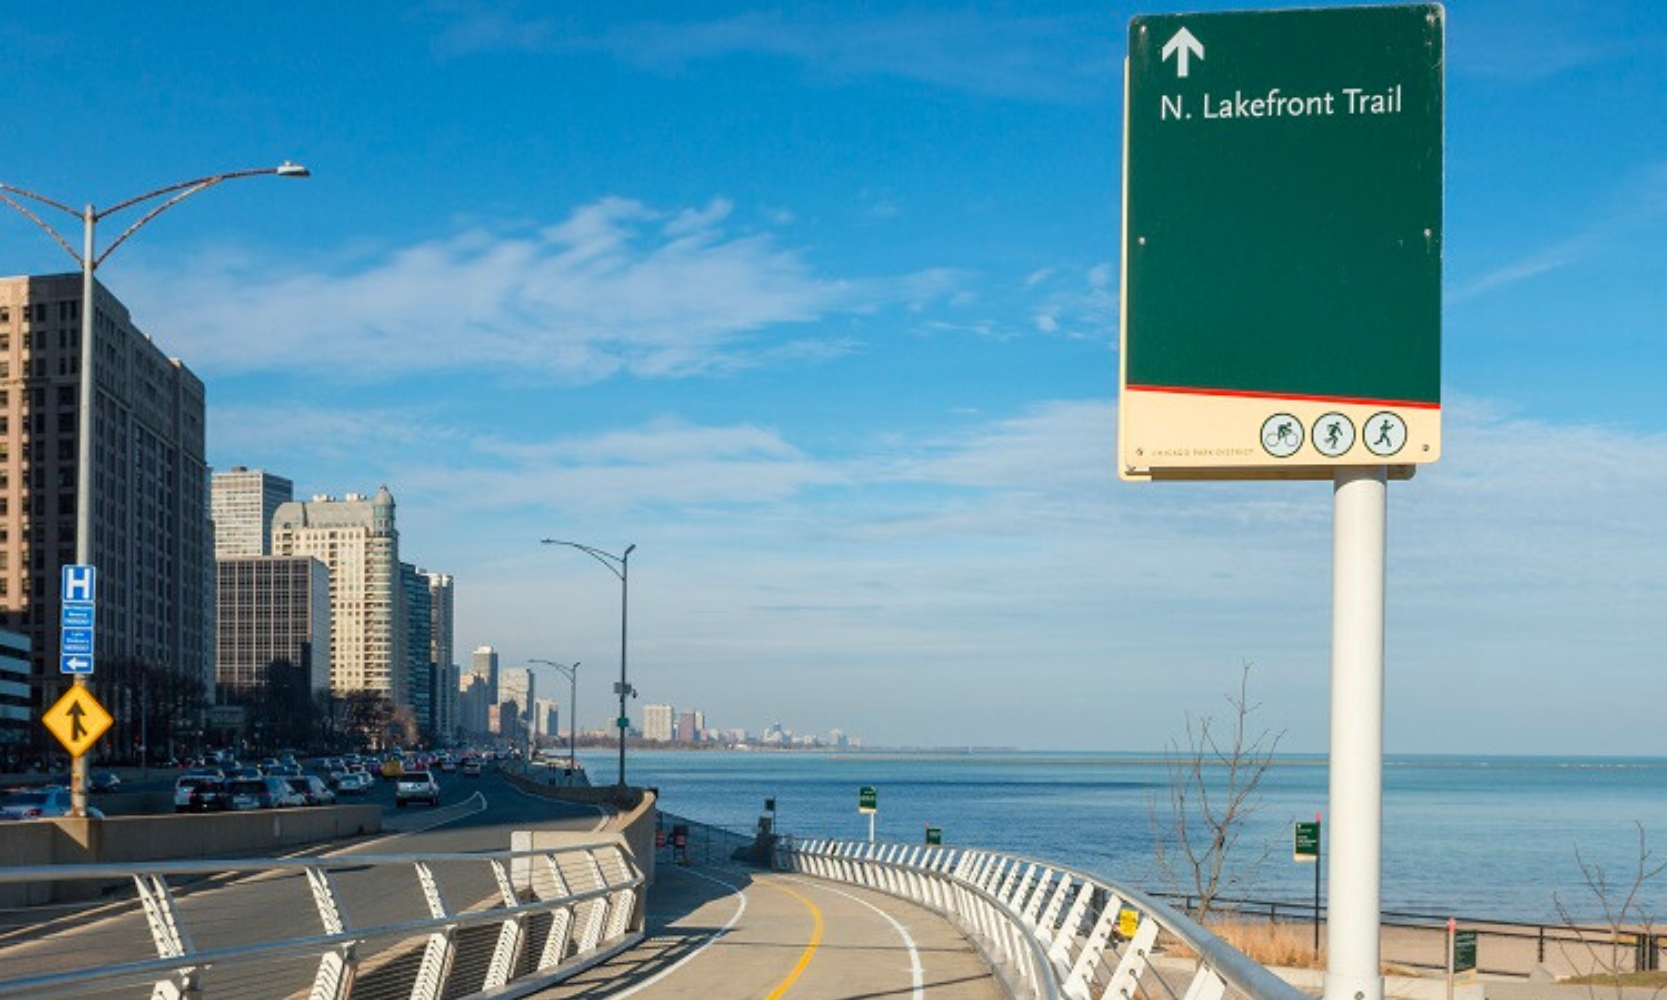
(78, 720)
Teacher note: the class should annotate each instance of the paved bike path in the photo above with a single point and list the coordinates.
(750, 935)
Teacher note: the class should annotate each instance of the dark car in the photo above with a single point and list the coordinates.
(208, 795)
(103, 781)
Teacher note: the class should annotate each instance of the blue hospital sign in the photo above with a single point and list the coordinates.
(79, 584)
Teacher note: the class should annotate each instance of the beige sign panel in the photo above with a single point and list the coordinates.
(1198, 435)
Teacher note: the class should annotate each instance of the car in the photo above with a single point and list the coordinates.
(392, 768)
(208, 795)
(186, 783)
(471, 767)
(416, 786)
(40, 803)
(261, 793)
(355, 783)
(312, 789)
(103, 781)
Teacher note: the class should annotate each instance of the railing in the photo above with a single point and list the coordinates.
(1504, 947)
(1050, 932)
(426, 927)
(702, 843)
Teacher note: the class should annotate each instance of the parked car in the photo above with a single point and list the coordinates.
(40, 803)
(416, 786)
(471, 767)
(312, 789)
(261, 793)
(209, 795)
(103, 781)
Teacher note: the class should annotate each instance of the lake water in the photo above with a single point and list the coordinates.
(1476, 837)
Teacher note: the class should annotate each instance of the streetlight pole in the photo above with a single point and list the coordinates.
(619, 566)
(89, 260)
(571, 672)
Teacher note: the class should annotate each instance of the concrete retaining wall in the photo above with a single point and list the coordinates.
(633, 820)
(132, 839)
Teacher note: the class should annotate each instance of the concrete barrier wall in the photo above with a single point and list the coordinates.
(633, 819)
(133, 839)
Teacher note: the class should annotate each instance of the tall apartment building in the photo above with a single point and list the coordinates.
(242, 503)
(417, 621)
(472, 704)
(688, 728)
(356, 538)
(270, 610)
(656, 722)
(440, 601)
(151, 538)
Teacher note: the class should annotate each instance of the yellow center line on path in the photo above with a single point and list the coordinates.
(810, 949)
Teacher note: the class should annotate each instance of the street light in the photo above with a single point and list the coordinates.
(571, 672)
(89, 260)
(619, 566)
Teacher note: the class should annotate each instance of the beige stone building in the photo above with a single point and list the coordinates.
(356, 539)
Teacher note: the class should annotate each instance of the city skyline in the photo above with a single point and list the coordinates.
(818, 309)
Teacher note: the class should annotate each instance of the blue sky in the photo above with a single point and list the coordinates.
(818, 307)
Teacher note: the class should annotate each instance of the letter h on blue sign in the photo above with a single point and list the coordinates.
(78, 583)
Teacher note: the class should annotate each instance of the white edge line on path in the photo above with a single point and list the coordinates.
(711, 939)
(916, 973)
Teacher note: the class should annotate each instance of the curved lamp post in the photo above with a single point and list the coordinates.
(90, 259)
(571, 672)
(619, 566)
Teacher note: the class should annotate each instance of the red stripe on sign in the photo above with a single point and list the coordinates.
(1249, 394)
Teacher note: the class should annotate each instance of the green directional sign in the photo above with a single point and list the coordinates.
(1464, 951)
(934, 836)
(1282, 242)
(868, 799)
(1307, 846)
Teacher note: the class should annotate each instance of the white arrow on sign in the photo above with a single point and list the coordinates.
(1183, 46)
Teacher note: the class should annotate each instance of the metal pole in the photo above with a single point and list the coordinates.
(1360, 521)
(84, 470)
(624, 618)
(572, 721)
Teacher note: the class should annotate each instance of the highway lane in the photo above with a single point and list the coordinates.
(476, 815)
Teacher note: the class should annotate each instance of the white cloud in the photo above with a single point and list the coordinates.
(617, 286)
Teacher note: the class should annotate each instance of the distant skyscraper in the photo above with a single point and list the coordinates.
(688, 729)
(417, 618)
(356, 538)
(242, 502)
(656, 722)
(484, 664)
(518, 686)
(440, 652)
(472, 705)
(270, 610)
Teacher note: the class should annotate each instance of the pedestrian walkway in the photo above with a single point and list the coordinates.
(741, 933)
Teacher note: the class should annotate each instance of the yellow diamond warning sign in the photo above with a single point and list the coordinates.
(78, 720)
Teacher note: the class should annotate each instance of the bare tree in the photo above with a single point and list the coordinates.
(1213, 781)
(1626, 942)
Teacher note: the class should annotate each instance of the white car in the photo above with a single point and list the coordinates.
(354, 783)
(416, 786)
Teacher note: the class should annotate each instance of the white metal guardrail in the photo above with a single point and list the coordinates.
(1052, 933)
(423, 927)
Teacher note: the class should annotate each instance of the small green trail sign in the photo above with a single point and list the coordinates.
(934, 836)
(868, 799)
(1281, 253)
(1464, 951)
(1307, 845)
